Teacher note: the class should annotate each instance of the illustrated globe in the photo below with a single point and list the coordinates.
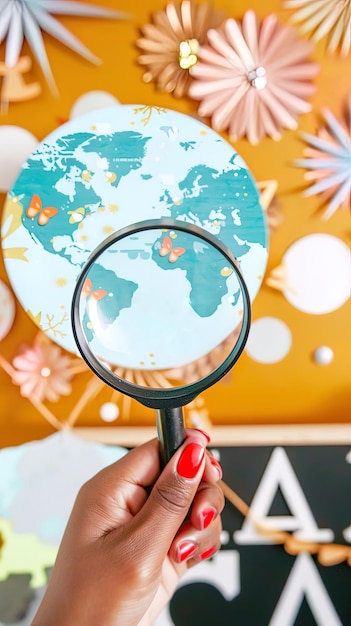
(116, 167)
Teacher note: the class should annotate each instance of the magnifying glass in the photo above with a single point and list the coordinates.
(153, 297)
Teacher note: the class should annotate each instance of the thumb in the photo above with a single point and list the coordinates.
(172, 496)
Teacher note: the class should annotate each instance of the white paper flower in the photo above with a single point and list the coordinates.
(322, 18)
(25, 19)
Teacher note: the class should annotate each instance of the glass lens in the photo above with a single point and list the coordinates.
(161, 306)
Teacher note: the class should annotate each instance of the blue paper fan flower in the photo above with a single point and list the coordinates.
(328, 161)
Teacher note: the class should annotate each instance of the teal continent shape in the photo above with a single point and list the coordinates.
(221, 196)
(118, 296)
(208, 195)
(64, 164)
(61, 166)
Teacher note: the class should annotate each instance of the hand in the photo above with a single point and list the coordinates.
(132, 534)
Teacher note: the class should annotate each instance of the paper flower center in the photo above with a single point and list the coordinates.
(188, 51)
(257, 78)
(45, 372)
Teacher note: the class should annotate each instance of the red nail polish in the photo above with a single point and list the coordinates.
(207, 516)
(207, 553)
(185, 550)
(217, 466)
(199, 430)
(190, 460)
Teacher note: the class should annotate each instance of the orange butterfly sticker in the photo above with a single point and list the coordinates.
(87, 291)
(36, 208)
(166, 248)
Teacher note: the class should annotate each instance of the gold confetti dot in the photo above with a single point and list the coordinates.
(226, 271)
(151, 354)
(107, 230)
(113, 208)
(110, 177)
(86, 175)
(173, 235)
(61, 281)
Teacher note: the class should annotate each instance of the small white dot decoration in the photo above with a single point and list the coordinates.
(109, 412)
(269, 340)
(7, 310)
(92, 101)
(323, 355)
(16, 145)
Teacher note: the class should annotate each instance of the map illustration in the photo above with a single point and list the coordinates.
(113, 168)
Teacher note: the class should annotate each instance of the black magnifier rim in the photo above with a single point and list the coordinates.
(172, 396)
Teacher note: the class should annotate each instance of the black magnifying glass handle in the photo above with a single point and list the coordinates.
(170, 431)
(118, 328)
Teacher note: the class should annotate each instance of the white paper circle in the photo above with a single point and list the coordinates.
(92, 101)
(16, 145)
(323, 355)
(7, 310)
(109, 412)
(318, 273)
(269, 340)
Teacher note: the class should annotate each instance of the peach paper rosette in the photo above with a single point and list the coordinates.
(170, 44)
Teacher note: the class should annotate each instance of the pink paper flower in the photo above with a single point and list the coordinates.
(253, 79)
(42, 371)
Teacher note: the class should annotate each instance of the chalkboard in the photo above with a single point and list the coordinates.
(304, 490)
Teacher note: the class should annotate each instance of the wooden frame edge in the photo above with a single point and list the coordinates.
(305, 434)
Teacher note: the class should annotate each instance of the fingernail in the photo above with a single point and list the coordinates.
(204, 433)
(190, 460)
(207, 516)
(185, 550)
(217, 466)
(207, 553)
